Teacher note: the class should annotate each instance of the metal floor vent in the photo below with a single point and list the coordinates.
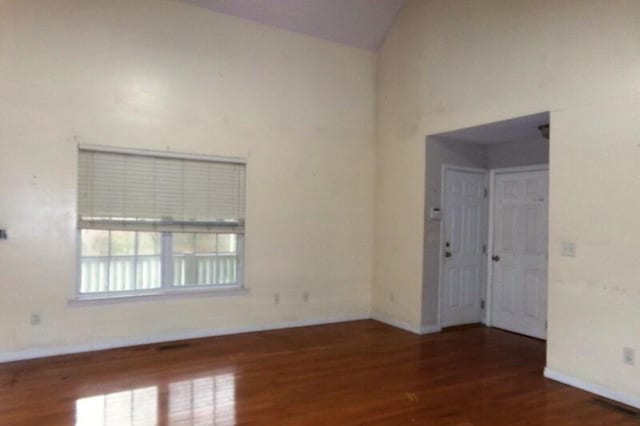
(621, 408)
(172, 346)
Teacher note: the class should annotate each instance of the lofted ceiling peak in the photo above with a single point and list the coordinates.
(358, 23)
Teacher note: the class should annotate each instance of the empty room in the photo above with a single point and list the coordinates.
(314, 212)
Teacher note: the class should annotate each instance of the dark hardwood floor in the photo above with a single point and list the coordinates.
(355, 373)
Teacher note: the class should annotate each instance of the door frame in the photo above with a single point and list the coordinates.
(444, 169)
(489, 267)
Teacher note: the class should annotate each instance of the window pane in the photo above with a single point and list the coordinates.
(183, 243)
(205, 243)
(226, 259)
(148, 272)
(94, 242)
(123, 261)
(94, 260)
(119, 261)
(204, 259)
(123, 243)
(148, 265)
(183, 259)
(121, 273)
(227, 243)
(149, 243)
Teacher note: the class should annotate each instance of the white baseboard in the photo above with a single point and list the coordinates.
(32, 353)
(382, 317)
(624, 398)
(430, 329)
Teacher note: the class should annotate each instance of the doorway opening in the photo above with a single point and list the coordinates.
(486, 226)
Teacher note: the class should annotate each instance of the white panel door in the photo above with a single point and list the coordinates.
(519, 290)
(464, 227)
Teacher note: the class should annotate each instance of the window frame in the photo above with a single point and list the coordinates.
(167, 287)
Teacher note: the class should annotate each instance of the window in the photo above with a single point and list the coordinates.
(154, 222)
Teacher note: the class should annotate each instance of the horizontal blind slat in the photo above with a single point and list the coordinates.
(117, 186)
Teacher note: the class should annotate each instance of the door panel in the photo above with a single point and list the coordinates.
(464, 221)
(520, 241)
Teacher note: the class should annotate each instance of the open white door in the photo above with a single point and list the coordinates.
(464, 236)
(520, 233)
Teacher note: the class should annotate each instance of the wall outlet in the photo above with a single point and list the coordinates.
(568, 249)
(276, 298)
(305, 296)
(629, 356)
(35, 319)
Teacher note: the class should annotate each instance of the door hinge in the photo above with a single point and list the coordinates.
(486, 193)
(482, 304)
(484, 249)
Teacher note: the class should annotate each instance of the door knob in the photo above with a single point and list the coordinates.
(447, 254)
(495, 258)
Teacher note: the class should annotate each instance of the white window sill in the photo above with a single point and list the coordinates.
(160, 294)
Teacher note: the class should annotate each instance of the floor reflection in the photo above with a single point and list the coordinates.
(208, 400)
(131, 407)
(203, 401)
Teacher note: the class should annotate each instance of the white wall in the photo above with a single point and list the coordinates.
(448, 65)
(518, 153)
(164, 75)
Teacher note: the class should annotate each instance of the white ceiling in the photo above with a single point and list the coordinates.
(359, 23)
(521, 128)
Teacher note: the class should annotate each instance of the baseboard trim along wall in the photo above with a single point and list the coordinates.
(430, 329)
(602, 391)
(32, 353)
(382, 317)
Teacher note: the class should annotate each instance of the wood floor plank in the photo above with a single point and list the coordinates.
(356, 373)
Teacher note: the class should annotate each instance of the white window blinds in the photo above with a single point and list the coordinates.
(129, 190)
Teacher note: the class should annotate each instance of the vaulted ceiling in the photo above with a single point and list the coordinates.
(359, 23)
